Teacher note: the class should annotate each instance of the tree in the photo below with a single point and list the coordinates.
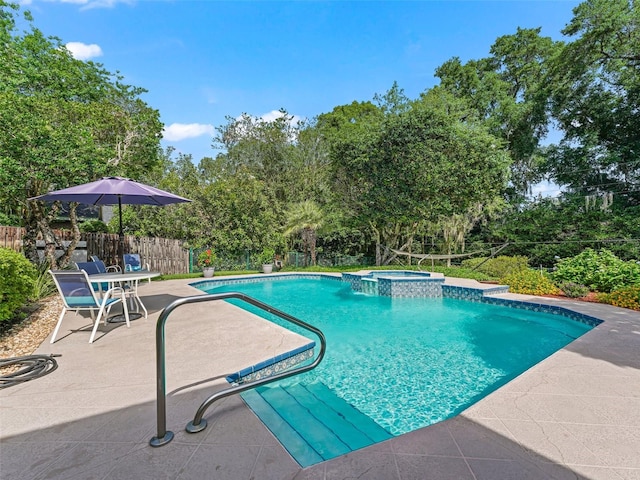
(349, 133)
(62, 122)
(508, 91)
(404, 169)
(595, 93)
(305, 218)
(263, 148)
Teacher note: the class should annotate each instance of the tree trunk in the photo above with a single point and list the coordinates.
(312, 246)
(64, 260)
(30, 237)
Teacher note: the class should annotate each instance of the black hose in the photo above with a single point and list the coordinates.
(33, 366)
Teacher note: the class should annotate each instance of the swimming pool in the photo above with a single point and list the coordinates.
(405, 363)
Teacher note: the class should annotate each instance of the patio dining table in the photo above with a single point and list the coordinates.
(126, 278)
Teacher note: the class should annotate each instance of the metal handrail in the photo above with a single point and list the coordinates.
(198, 424)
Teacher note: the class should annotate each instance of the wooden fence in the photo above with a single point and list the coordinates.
(162, 254)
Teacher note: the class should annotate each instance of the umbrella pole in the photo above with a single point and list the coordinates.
(121, 236)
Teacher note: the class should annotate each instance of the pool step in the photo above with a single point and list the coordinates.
(313, 423)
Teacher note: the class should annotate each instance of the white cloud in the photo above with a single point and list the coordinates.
(82, 51)
(181, 131)
(275, 114)
(88, 4)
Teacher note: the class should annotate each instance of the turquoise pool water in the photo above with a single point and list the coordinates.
(408, 362)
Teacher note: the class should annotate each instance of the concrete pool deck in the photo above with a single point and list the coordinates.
(574, 415)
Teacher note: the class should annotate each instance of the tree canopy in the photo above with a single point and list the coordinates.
(62, 122)
(454, 166)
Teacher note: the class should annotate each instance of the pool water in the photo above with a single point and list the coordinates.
(410, 362)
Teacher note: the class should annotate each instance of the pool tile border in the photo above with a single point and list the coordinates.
(432, 287)
(484, 295)
(218, 282)
(544, 308)
(273, 365)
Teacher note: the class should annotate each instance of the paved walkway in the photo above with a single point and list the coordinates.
(574, 415)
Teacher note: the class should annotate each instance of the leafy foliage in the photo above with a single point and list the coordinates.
(594, 89)
(305, 218)
(389, 173)
(44, 285)
(506, 91)
(601, 271)
(17, 277)
(265, 257)
(530, 282)
(497, 267)
(94, 226)
(574, 290)
(548, 228)
(207, 258)
(62, 122)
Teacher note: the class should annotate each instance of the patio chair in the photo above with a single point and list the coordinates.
(92, 268)
(97, 266)
(102, 268)
(77, 294)
(132, 263)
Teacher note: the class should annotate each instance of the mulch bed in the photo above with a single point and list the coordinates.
(25, 337)
(591, 297)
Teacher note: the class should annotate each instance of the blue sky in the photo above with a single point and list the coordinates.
(204, 60)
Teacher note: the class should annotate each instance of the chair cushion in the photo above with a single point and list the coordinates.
(87, 302)
(81, 301)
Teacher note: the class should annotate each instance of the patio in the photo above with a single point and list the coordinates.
(574, 415)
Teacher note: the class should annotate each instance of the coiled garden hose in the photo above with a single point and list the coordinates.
(32, 366)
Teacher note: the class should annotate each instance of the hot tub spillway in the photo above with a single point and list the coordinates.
(370, 286)
(396, 283)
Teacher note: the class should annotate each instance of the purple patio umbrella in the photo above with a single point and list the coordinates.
(113, 191)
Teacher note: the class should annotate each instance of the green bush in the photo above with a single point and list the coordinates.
(601, 271)
(94, 226)
(497, 267)
(530, 282)
(574, 290)
(17, 277)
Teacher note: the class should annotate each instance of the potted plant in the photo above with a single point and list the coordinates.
(206, 260)
(266, 259)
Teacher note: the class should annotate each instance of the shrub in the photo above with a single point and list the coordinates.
(94, 226)
(626, 297)
(574, 290)
(17, 277)
(601, 271)
(498, 267)
(265, 257)
(207, 258)
(531, 282)
(43, 284)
